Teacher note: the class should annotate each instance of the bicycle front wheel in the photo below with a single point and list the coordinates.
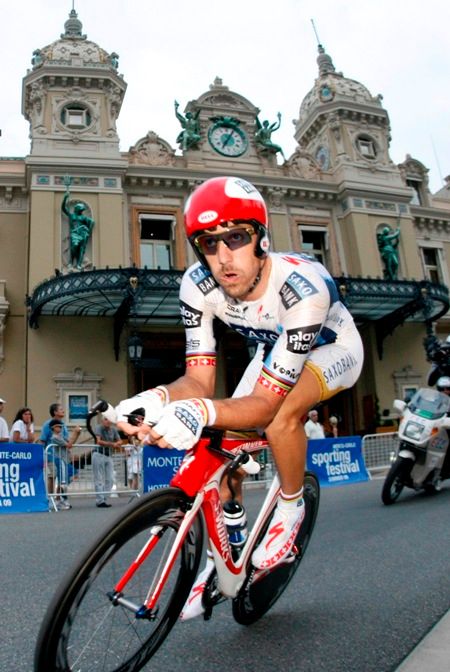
(86, 629)
(260, 594)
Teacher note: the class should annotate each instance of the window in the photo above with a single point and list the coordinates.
(366, 146)
(416, 186)
(314, 241)
(155, 233)
(75, 116)
(432, 264)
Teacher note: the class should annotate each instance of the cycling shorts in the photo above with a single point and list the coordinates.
(336, 366)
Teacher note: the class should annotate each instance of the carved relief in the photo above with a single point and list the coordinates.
(301, 164)
(412, 169)
(276, 198)
(152, 151)
(223, 100)
(114, 97)
(34, 107)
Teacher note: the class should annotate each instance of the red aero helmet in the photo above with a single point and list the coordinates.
(223, 199)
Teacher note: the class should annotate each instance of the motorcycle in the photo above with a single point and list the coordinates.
(423, 445)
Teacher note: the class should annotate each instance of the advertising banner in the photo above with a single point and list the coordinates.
(22, 485)
(159, 465)
(337, 461)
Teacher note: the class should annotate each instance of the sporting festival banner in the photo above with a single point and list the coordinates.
(22, 485)
(337, 461)
(159, 465)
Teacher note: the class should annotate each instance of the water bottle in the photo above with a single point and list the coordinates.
(236, 522)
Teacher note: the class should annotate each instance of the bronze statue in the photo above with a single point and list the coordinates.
(388, 241)
(263, 135)
(80, 228)
(190, 135)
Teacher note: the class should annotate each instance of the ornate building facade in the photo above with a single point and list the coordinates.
(68, 326)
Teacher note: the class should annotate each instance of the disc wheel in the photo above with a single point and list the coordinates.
(85, 629)
(261, 592)
(395, 480)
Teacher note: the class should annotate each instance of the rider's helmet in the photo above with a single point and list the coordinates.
(222, 200)
(443, 384)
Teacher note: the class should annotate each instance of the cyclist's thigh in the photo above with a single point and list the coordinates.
(337, 366)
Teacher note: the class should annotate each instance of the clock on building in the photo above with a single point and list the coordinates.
(323, 157)
(326, 93)
(226, 138)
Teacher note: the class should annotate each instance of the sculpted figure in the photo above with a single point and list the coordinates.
(190, 135)
(263, 135)
(80, 229)
(388, 241)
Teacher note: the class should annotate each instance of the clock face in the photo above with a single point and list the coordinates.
(326, 93)
(227, 140)
(323, 158)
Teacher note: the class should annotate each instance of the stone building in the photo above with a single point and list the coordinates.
(68, 326)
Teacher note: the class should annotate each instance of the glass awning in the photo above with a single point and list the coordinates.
(151, 297)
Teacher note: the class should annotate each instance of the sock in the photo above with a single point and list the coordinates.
(289, 503)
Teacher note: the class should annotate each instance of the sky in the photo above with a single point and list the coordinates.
(265, 50)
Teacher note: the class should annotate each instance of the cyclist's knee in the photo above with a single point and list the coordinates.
(287, 422)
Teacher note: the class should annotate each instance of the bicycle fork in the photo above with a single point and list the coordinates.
(149, 609)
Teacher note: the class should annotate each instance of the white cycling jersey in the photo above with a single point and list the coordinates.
(300, 318)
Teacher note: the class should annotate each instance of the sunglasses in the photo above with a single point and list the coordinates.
(233, 239)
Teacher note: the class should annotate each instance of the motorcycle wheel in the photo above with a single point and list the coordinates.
(395, 480)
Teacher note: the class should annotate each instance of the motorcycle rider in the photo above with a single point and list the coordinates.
(443, 385)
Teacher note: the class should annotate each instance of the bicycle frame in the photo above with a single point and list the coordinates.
(199, 477)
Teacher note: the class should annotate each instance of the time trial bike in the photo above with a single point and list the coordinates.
(116, 606)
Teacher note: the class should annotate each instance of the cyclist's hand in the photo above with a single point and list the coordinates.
(152, 401)
(181, 423)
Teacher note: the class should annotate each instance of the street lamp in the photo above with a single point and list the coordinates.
(134, 347)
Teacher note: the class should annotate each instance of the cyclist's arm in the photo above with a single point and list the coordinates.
(198, 315)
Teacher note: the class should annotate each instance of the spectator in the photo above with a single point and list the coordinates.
(22, 430)
(108, 440)
(61, 461)
(4, 431)
(134, 449)
(56, 410)
(134, 462)
(332, 427)
(313, 428)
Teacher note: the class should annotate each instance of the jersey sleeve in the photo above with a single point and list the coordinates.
(197, 313)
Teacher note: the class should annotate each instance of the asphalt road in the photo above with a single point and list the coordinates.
(375, 579)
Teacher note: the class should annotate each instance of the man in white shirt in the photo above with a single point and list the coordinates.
(4, 431)
(313, 428)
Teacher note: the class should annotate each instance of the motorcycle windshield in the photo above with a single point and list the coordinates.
(429, 404)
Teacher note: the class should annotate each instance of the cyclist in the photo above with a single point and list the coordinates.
(308, 349)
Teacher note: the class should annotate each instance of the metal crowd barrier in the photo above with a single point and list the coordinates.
(379, 450)
(76, 473)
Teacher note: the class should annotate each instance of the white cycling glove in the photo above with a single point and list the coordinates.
(152, 401)
(181, 422)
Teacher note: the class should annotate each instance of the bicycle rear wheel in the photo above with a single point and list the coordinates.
(84, 631)
(260, 594)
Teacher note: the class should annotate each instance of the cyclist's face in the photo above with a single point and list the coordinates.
(230, 254)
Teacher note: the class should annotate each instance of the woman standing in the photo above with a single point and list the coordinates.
(22, 430)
